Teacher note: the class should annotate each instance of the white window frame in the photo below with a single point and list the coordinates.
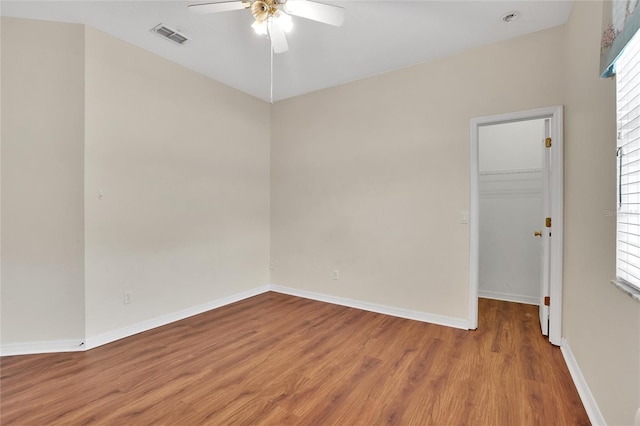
(628, 167)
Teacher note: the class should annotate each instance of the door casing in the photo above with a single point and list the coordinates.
(555, 114)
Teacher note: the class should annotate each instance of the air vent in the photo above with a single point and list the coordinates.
(510, 16)
(169, 34)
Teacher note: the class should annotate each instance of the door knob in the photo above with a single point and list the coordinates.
(537, 234)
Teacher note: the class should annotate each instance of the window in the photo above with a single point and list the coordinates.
(628, 154)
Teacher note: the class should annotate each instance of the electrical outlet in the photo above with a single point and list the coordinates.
(336, 275)
(128, 297)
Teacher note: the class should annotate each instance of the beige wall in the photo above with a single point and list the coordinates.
(182, 162)
(370, 177)
(601, 324)
(183, 165)
(42, 187)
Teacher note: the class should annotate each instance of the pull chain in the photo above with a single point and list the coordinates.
(271, 71)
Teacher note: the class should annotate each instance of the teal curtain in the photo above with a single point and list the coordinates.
(620, 21)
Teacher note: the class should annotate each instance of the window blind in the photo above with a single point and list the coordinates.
(628, 117)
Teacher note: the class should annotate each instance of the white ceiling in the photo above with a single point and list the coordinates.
(377, 36)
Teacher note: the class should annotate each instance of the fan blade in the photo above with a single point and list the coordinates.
(278, 39)
(218, 6)
(321, 12)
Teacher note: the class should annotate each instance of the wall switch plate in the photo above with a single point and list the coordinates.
(464, 216)
(336, 275)
(128, 297)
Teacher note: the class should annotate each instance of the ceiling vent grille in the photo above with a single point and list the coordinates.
(170, 34)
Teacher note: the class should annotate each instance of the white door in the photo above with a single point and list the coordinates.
(545, 232)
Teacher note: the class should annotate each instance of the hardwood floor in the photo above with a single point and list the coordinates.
(279, 360)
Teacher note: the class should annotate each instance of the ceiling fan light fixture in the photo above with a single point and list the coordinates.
(260, 27)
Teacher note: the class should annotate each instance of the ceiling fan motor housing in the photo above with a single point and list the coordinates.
(264, 9)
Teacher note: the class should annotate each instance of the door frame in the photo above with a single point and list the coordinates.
(555, 113)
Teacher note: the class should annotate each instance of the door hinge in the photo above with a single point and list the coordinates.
(547, 222)
(547, 142)
(547, 301)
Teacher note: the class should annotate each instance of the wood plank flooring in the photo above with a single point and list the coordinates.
(282, 360)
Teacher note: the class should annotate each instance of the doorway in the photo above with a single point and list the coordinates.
(516, 214)
(510, 183)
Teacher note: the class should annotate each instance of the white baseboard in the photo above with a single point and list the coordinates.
(381, 309)
(508, 297)
(589, 402)
(112, 336)
(31, 348)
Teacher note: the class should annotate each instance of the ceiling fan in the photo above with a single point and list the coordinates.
(273, 17)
